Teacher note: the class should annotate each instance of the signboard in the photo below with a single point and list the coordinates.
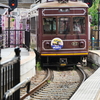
(56, 43)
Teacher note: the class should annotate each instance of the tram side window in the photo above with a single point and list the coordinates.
(64, 25)
(32, 25)
(79, 25)
(49, 25)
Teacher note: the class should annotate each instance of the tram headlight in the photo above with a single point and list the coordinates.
(47, 43)
(81, 44)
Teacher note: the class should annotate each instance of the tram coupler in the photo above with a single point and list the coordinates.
(63, 62)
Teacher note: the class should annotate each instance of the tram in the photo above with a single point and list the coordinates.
(60, 29)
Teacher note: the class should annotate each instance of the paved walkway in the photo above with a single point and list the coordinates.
(8, 53)
(95, 51)
(90, 89)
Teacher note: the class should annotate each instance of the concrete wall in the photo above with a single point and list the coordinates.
(94, 57)
(28, 66)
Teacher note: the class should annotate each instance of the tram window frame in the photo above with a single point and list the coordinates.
(49, 27)
(65, 28)
(24, 23)
(80, 25)
(33, 25)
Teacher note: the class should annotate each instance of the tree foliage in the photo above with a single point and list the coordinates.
(93, 11)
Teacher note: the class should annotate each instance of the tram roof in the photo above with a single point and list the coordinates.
(57, 4)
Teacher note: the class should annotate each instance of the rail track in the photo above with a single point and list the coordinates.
(58, 85)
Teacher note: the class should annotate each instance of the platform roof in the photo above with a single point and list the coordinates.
(3, 6)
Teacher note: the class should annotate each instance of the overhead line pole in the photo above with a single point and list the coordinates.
(98, 24)
(8, 27)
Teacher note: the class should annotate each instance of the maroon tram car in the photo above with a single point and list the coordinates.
(62, 32)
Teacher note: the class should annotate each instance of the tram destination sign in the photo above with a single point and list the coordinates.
(58, 12)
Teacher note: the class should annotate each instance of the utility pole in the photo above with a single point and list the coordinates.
(99, 24)
(9, 27)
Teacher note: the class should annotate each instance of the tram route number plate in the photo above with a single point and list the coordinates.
(62, 64)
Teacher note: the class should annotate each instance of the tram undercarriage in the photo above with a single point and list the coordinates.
(61, 61)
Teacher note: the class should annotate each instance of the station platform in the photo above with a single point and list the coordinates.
(90, 88)
(27, 61)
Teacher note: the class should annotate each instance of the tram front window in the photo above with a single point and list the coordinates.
(49, 25)
(79, 25)
(64, 25)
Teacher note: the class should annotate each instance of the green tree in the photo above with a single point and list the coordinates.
(94, 12)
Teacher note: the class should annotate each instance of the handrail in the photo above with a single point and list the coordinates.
(41, 84)
(18, 86)
(10, 62)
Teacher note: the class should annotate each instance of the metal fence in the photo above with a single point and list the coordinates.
(14, 37)
(21, 36)
(10, 76)
(94, 45)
